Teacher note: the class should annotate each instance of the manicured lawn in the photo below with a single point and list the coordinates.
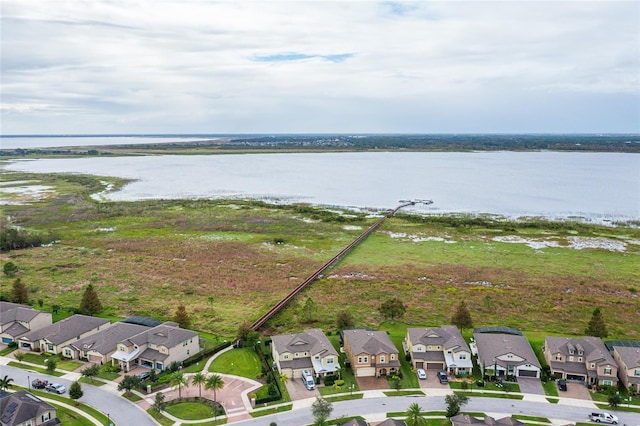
(242, 362)
(550, 388)
(62, 364)
(71, 418)
(272, 410)
(490, 395)
(191, 410)
(37, 369)
(531, 418)
(164, 421)
(403, 393)
(91, 381)
(345, 397)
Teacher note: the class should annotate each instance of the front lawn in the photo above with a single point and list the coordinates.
(242, 362)
(36, 369)
(191, 410)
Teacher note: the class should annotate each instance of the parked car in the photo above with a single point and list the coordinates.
(422, 375)
(308, 380)
(144, 376)
(603, 418)
(562, 385)
(39, 384)
(56, 387)
(442, 376)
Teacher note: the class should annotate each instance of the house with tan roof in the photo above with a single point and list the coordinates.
(585, 359)
(309, 350)
(628, 360)
(24, 409)
(468, 420)
(156, 347)
(371, 353)
(439, 348)
(17, 320)
(53, 338)
(98, 347)
(505, 354)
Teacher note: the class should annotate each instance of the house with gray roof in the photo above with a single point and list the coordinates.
(628, 360)
(393, 422)
(502, 354)
(22, 408)
(17, 320)
(355, 422)
(439, 348)
(98, 347)
(371, 353)
(585, 359)
(309, 350)
(156, 347)
(53, 338)
(468, 420)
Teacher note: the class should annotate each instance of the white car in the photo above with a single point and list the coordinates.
(422, 375)
(56, 387)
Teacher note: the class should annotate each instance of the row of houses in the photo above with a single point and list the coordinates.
(132, 342)
(500, 352)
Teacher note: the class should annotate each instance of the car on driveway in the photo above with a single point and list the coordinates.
(422, 375)
(562, 385)
(442, 376)
(56, 387)
(144, 376)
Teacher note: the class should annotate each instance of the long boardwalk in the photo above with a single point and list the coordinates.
(260, 322)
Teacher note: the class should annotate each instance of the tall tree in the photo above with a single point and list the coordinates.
(159, 404)
(321, 408)
(414, 416)
(462, 318)
(5, 382)
(596, 326)
(75, 391)
(90, 372)
(128, 382)
(51, 365)
(178, 380)
(214, 383)
(90, 304)
(454, 403)
(345, 320)
(19, 292)
(392, 308)
(182, 317)
(198, 380)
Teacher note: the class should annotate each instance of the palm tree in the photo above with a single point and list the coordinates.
(5, 383)
(284, 378)
(199, 379)
(214, 383)
(178, 380)
(414, 416)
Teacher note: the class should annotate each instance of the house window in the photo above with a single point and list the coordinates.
(429, 348)
(393, 356)
(558, 357)
(571, 358)
(317, 357)
(607, 371)
(50, 347)
(67, 352)
(381, 359)
(28, 423)
(593, 365)
(46, 416)
(462, 356)
(187, 351)
(636, 373)
(579, 359)
(121, 348)
(571, 351)
(580, 353)
(607, 382)
(363, 359)
(330, 360)
(295, 355)
(286, 356)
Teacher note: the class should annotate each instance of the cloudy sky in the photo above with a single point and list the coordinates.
(187, 66)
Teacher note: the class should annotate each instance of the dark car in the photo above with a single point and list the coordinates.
(442, 376)
(562, 385)
(144, 376)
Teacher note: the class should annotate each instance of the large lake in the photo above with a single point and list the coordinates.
(594, 186)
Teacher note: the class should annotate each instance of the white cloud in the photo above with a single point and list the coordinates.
(196, 66)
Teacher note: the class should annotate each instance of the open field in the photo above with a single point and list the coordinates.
(229, 261)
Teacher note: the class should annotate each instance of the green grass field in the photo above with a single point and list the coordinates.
(240, 362)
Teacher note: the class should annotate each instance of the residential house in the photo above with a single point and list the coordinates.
(441, 348)
(156, 347)
(310, 350)
(371, 353)
(355, 422)
(53, 338)
(628, 359)
(580, 358)
(467, 420)
(99, 346)
(16, 320)
(393, 422)
(505, 354)
(24, 409)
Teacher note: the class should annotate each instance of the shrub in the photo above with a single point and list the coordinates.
(329, 380)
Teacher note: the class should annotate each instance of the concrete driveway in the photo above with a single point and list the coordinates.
(530, 385)
(297, 390)
(432, 381)
(576, 391)
(372, 383)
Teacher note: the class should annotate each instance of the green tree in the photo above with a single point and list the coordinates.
(19, 292)
(90, 372)
(10, 269)
(51, 365)
(309, 310)
(414, 416)
(596, 326)
(19, 355)
(321, 408)
(90, 304)
(55, 308)
(159, 404)
(178, 380)
(454, 403)
(462, 318)
(396, 382)
(214, 383)
(243, 331)
(320, 421)
(128, 383)
(5, 382)
(284, 378)
(198, 380)
(182, 317)
(75, 391)
(345, 320)
(392, 308)
(615, 400)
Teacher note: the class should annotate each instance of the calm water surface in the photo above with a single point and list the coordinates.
(595, 186)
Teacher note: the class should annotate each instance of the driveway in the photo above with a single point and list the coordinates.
(297, 390)
(530, 385)
(432, 381)
(576, 390)
(372, 383)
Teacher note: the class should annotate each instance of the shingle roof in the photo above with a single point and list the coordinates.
(105, 341)
(66, 329)
(447, 336)
(491, 346)
(312, 341)
(593, 348)
(10, 312)
(163, 335)
(392, 422)
(369, 342)
(20, 406)
(630, 356)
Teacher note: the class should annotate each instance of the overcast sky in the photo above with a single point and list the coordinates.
(152, 66)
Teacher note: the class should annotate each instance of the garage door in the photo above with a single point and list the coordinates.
(419, 364)
(366, 372)
(7, 340)
(435, 366)
(527, 373)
